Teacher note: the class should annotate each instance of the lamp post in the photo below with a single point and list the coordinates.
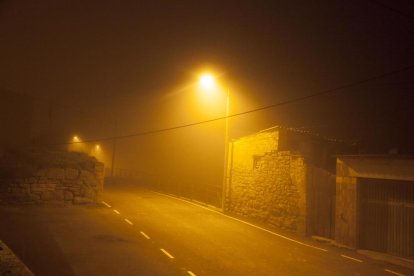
(207, 81)
(226, 150)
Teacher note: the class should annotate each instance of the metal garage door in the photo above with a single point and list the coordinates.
(387, 216)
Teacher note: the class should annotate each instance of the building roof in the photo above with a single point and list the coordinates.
(388, 156)
(306, 132)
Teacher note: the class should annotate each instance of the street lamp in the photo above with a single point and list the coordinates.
(76, 144)
(208, 83)
(97, 152)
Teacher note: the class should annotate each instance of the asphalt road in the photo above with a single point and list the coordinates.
(139, 232)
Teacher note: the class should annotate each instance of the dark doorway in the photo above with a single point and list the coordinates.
(387, 216)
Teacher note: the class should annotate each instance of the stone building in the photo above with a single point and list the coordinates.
(375, 203)
(284, 178)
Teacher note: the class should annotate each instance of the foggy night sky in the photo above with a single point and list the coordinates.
(97, 60)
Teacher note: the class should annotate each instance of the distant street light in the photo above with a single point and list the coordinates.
(76, 144)
(208, 83)
(97, 152)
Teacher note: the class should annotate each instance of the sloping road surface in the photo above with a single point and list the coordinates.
(138, 232)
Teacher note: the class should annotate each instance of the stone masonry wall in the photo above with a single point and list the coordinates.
(253, 145)
(77, 183)
(272, 191)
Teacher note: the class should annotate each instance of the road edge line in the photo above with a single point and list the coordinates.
(350, 258)
(393, 272)
(245, 222)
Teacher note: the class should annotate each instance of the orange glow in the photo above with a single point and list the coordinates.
(75, 139)
(211, 95)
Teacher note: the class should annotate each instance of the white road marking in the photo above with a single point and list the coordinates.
(116, 211)
(250, 224)
(393, 272)
(166, 253)
(191, 273)
(128, 221)
(356, 260)
(145, 235)
(107, 205)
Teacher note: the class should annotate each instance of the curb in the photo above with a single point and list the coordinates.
(373, 255)
(10, 264)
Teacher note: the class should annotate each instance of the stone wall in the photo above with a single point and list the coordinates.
(253, 145)
(268, 180)
(78, 181)
(10, 264)
(272, 190)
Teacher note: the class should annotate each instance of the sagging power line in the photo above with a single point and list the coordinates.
(291, 101)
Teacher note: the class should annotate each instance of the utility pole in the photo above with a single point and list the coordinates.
(114, 147)
(226, 149)
(49, 133)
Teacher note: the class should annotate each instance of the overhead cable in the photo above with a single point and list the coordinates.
(287, 102)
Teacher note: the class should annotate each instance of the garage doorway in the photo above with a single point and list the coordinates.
(386, 222)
